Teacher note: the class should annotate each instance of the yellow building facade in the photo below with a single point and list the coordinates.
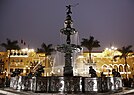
(28, 60)
(25, 59)
(105, 62)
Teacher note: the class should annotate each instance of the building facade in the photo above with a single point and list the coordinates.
(105, 62)
(27, 60)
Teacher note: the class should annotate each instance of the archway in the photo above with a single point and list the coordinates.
(116, 67)
(104, 68)
(120, 68)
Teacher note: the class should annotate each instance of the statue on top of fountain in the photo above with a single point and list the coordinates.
(69, 9)
(92, 72)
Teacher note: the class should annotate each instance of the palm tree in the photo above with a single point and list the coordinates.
(90, 44)
(10, 45)
(47, 49)
(125, 52)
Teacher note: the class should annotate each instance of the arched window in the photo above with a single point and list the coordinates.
(104, 68)
(110, 67)
(116, 67)
(128, 68)
(120, 68)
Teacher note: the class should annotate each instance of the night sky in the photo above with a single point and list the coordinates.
(38, 21)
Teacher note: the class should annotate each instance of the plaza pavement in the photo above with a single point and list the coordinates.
(9, 91)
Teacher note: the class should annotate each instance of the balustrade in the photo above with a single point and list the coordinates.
(62, 84)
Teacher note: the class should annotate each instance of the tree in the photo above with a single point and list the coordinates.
(47, 49)
(10, 45)
(125, 52)
(90, 44)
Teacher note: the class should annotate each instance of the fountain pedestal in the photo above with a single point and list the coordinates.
(68, 69)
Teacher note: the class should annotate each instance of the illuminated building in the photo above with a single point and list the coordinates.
(105, 62)
(28, 60)
(24, 59)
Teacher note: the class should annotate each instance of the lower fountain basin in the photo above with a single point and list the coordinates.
(62, 84)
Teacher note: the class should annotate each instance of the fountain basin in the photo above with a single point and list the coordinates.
(62, 84)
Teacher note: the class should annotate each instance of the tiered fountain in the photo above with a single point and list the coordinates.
(68, 47)
(68, 83)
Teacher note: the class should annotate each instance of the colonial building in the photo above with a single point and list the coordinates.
(105, 62)
(28, 60)
(24, 59)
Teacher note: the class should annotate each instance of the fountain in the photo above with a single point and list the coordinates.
(68, 82)
(68, 47)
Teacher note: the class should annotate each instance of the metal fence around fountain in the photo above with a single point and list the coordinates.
(61, 84)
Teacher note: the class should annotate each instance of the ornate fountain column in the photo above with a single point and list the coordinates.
(67, 48)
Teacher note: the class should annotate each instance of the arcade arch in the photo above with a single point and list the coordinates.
(118, 67)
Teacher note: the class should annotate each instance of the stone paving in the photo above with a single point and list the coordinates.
(9, 91)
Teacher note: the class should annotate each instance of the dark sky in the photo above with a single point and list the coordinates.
(38, 21)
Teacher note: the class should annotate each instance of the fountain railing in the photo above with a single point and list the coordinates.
(62, 84)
